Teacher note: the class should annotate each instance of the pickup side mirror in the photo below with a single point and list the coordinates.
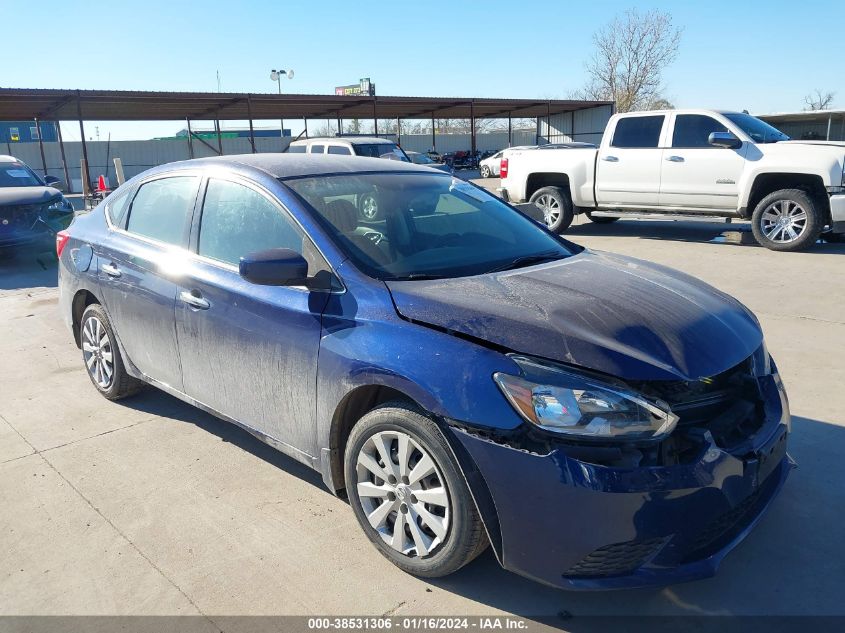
(727, 140)
(275, 267)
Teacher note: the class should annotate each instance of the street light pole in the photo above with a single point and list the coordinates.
(276, 75)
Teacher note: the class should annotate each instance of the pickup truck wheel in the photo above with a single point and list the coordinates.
(787, 220)
(485, 171)
(556, 206)
(599, 219)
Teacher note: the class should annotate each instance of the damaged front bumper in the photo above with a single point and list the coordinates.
(579, 525)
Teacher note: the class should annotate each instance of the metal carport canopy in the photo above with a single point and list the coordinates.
(18, 104)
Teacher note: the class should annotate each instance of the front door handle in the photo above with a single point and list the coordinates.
(610, 159)
(194, 299)
(111, 270)
(675, 159)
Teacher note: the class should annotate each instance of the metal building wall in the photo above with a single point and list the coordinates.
(585, 125)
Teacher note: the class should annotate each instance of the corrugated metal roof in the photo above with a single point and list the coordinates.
(19, 104)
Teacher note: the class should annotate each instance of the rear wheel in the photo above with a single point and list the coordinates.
(485, 171)
(599, 219)
(556, 206)
(408, 493)
(787, 220)
(102, 357)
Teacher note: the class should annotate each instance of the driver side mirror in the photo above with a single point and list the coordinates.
(56, 183)
(274, 267)
(727, 140)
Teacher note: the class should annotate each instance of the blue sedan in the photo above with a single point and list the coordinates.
(463, 376)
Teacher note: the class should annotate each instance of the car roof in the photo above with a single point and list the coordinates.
(368, 140)
(9, 159)
(299, 165)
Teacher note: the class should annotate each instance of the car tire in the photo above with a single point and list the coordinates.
(599, 219)
(556, 206)
(787, 220)
(435, 537)
(485, 171)
(368, 207)
(101, 356)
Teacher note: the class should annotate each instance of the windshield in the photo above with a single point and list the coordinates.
(759, 131)
(18, 175)
(380, 150)
(417, 226)
(421, 159)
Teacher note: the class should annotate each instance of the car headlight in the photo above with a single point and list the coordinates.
(566, 403)
(60, 204)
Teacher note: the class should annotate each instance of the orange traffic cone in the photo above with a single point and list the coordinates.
(101, 183)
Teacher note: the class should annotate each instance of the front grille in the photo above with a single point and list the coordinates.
(616, 559)
(727, 404)
(20, 217)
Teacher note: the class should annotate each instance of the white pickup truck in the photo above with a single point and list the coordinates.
(690, 162)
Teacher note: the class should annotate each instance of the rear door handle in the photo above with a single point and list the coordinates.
(610, 159)
(675, 159)
(111, 270)
(194, 299)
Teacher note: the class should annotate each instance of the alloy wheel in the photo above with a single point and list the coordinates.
(403, 493)
(783, 221)
(550, 208)
(97, 352)
(369, 207)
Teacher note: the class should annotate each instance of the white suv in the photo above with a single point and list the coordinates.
(369, 146)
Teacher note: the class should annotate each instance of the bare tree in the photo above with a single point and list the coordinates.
(631, 54)
(819, 100)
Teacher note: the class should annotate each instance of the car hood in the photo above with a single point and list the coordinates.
(27, 195)
(617, 315)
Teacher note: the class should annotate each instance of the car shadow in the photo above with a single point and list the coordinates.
(156, 402)
(734, 233)
(28, 267)
(793, 562)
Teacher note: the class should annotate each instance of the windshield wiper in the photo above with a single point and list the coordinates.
(527, 260)
(415, 277)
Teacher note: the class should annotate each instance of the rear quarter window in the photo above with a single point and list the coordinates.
(296, 149)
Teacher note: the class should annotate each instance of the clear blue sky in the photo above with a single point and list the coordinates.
(760, 56)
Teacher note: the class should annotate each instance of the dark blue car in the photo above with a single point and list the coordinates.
(461, 374)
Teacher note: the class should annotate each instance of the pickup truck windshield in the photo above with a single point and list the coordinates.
(423, 226)
(759, 131)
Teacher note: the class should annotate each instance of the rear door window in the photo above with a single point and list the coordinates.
(339, 149)
(161, 210)
(296, 149)
(317, 149)
(638, 131)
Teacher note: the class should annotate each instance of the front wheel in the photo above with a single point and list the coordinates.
(787, 220)
(556, 206)
(408, 493)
